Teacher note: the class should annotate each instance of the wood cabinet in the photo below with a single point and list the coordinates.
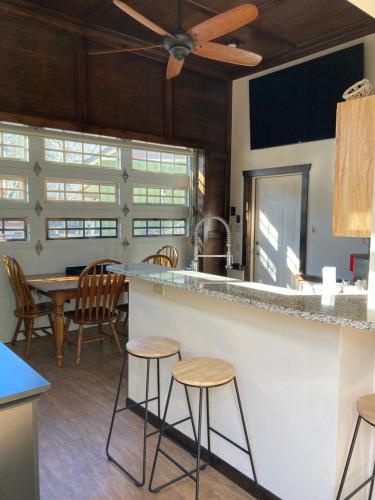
(354, 171)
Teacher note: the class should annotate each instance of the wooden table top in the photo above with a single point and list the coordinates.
(53, 283)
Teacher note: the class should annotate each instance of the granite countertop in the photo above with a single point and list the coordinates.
(344, 310)
(17, 379)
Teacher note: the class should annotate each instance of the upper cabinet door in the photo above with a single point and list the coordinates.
(354, 171)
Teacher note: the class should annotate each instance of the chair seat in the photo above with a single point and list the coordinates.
(104, 316)
(203, 372)
(152, 347)
(366, 408)
(36, 311)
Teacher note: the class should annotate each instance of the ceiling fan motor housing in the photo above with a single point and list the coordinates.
(180, 45)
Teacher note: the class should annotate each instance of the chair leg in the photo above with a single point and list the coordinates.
(79, 344)
(354, 438)
(51, 322)
(208, 426)
(29, 326)
(17, 330)
(115, 338)
(247, 438)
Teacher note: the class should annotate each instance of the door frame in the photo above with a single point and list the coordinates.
(249, 206)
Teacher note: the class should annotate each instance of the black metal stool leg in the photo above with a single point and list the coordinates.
(247, 438)
(158, 380)
(199, 444)
(145, 426)
(189, 406)
(354, 438)
(208, 426)
(116, 410)
(116, 403)
(161, 434)
(372, 483)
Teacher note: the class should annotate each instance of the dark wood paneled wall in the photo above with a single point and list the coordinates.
(48, 79)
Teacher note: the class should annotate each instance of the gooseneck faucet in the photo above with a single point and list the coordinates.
(227, 255)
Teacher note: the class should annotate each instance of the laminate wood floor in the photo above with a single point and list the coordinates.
(74, 418)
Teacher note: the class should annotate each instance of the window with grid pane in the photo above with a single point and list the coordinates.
(160, 162)
(13, 188)
(81, 191)
(81, 153)
(79, 228)
(159, 227)
(13, 229)
(159, 195)
(14, 146)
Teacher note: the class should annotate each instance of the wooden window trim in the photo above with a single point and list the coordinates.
(22, 190)
(82, 183)
(82, 219)
(160, 219)
(82, 153)
(3, 229)
(161, 188)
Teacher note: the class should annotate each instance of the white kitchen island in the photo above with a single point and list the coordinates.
(300, 366)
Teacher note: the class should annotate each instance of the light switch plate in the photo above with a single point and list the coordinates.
(159, 289)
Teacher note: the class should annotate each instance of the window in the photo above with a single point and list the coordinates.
(75, 228)
(159, 227)
(71, 190)
(159, 196)
(13, 188)
(81, 153)
(13, 230)
(160, 162)
(14, 146)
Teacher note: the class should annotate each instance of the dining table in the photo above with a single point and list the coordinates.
(60, 289)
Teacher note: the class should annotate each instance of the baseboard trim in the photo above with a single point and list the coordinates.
(217, 463)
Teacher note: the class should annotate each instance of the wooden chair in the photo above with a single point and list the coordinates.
(96, 303)
(170, 252)
(161, 260)
(27, 311)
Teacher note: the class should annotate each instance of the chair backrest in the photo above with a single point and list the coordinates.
(98, 292)
(161, 260)
(24, 299)
(170, 252)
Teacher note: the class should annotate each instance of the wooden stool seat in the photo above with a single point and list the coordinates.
(366, 408)
(203, 372)
(152, 347)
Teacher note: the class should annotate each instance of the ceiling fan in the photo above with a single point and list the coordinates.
(197, 40)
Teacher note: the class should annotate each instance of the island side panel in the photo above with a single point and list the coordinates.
(288, 372)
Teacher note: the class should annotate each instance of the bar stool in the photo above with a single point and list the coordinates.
(149, 348)
(205, 374)
(366, 412)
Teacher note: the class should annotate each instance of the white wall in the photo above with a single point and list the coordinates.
(56, 255)
(322, 247)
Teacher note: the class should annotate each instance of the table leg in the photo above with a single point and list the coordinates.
(59, 333)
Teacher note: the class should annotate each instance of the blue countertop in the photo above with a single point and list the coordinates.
(17, 379)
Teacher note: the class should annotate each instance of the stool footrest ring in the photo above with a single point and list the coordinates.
(133, 405)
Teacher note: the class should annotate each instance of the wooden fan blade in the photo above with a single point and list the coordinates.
(141, 19)
(174, 67)
(232, 55)
(223, 23)
(120, 51)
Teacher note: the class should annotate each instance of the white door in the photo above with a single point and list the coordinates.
(277, 229)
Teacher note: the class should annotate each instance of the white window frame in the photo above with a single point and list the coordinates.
(82, 182)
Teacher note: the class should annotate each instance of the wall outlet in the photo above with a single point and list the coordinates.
(159, 289)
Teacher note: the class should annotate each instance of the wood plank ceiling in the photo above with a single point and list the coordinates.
(284, 30)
